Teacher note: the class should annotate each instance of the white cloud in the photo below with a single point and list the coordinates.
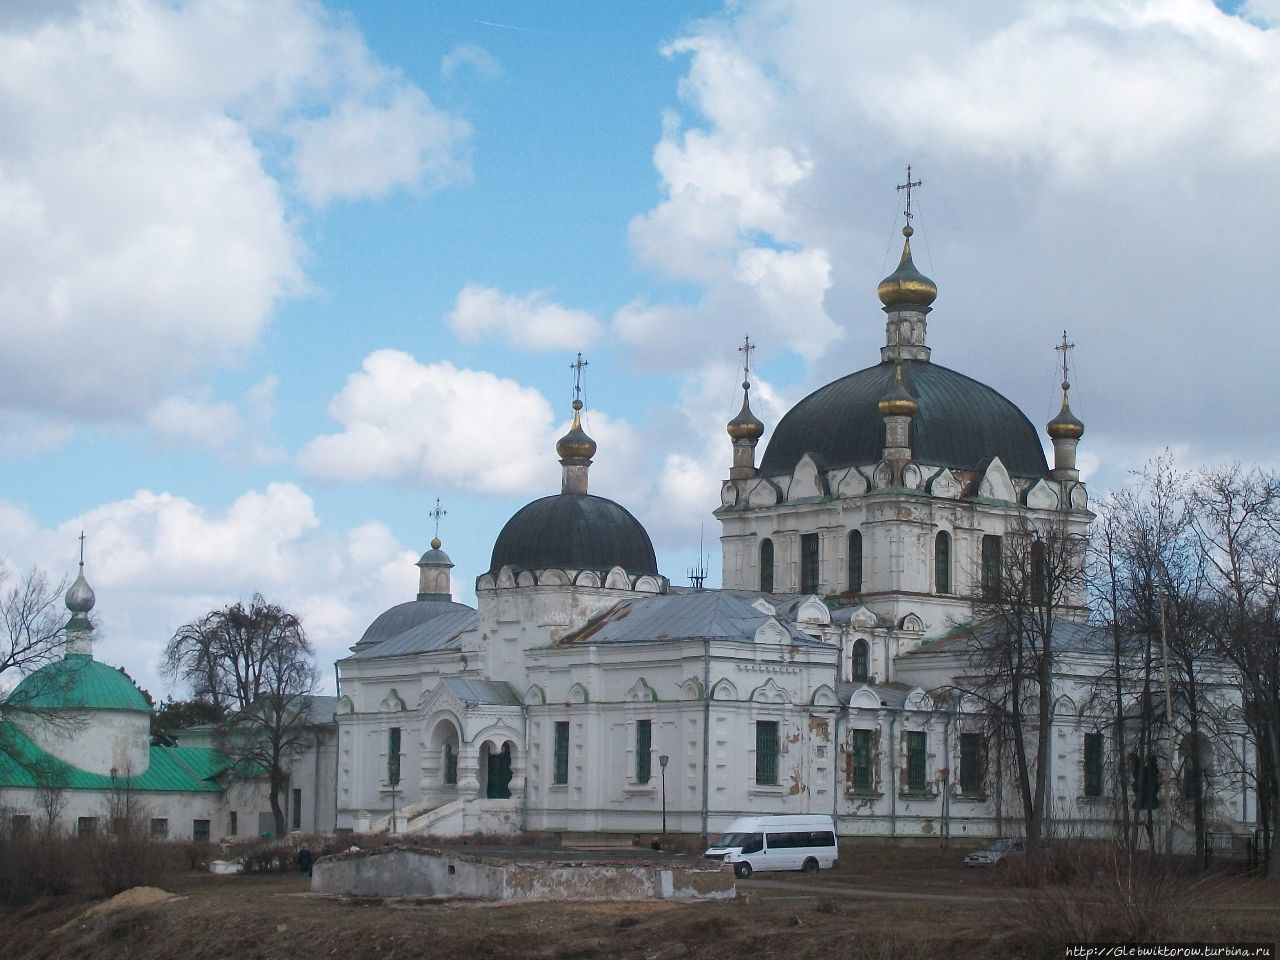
(1082, 167)
(157, 561)
(528, 322)
(469, 56)
(363, 150)
(437, 423)
(144, 233)
(198, 420)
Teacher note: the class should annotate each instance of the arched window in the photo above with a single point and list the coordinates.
(942, 562)
(855, 561)
(766, 566)
(860, 667)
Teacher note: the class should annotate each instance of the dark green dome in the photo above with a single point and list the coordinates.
(960, 424)
(574, 531)
(78, 682)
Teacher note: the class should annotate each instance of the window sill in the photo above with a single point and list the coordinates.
(917, 795)
(1101, 801)
(559, 788)
(767, 789)
(639, 790)
(970, 797)
(865, 794)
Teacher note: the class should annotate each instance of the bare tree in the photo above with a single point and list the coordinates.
(256, 665)
(1033, 579)
(1237, 525)
(32, 634)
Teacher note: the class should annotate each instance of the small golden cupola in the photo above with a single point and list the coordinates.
(746, 429)
(1066, 429)
(907, 296)
(575, 448)
(898, 401)
(907, 286)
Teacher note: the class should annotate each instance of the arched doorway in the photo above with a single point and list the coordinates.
(495, 767)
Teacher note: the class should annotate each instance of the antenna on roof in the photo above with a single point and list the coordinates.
(698, 574)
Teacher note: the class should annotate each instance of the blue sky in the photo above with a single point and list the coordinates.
(275, 277)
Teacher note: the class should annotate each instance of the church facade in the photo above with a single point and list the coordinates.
(585, 692)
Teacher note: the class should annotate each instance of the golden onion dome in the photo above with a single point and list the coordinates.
(898, 402)
(746, 425)
(907, 286)
(1065, 426)
(576, 445)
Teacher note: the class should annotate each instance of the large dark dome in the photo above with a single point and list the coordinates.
(406, 616)
(576, 531)
(960, 423)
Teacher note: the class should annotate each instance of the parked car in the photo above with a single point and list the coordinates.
(996, 854)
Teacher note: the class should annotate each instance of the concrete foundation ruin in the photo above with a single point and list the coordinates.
(521, 873)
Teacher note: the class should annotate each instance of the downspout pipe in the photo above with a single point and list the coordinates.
(706, 735)
(337, 744)
(893, 774)
(837, 745)
(524, 796)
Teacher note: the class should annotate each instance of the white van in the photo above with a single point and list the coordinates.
(796, 842)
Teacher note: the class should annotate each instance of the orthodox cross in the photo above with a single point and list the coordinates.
(907, 187)
(577, 366)
(82, 548)
(436, 514)
(1065, 347)
(745, 350)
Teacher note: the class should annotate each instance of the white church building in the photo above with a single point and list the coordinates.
(587, 693)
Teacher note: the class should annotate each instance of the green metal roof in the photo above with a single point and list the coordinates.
(171, 770)
(78, 682)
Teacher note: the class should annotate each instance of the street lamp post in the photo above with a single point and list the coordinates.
(662, 765)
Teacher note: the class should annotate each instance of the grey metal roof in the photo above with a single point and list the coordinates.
(470, 690)
(574, 531)
(440, 632)
(403, 616)
(1069, 636)
(323, 709)
(959, 424)
(892, 695)
(709, 614)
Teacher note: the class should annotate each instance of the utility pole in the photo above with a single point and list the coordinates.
(1168, 722)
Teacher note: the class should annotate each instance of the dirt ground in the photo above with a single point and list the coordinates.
(880, 903)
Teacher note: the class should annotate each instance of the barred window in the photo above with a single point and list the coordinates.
(767, 752)
(644, 750)
(992, 559)
(860, 660)
(972, 763)
(809, 563)
(862, 776)
(562, 752)
(942, 562)
(1093, 764)
(393, 756)
(855, 561)
(916, 747)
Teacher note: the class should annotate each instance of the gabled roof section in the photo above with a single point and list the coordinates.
(471, 690)
(171, 769)
(705, 615)
(440, 632)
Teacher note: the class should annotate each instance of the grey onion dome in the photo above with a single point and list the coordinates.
(80, 597)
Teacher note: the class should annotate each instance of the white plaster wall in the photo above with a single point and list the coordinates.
(99, 741)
